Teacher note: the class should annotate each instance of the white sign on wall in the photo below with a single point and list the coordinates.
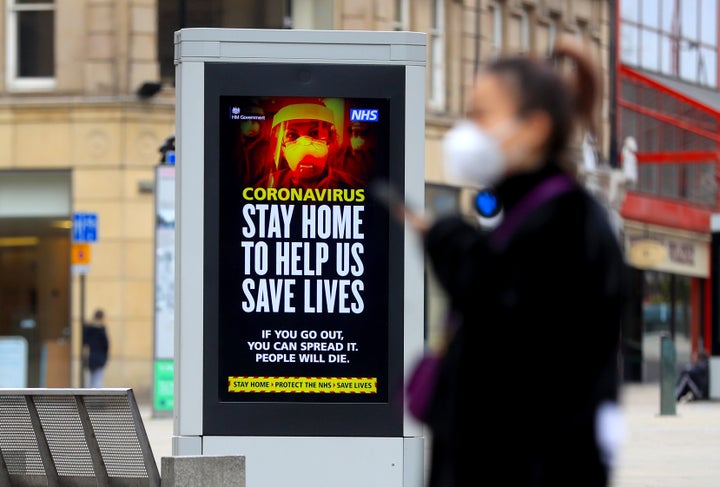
(13, 362)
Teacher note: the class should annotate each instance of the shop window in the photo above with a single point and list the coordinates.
(666, 303)
(666, 309)
(30, 45)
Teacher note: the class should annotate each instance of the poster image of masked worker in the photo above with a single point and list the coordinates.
(304, 141)
(253, 142)
(359, 153)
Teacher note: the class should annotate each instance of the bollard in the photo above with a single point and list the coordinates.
(668, 377)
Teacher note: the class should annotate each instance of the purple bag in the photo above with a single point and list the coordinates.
(421, 385)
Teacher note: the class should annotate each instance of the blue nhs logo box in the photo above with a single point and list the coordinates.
(364, 115)
(84, 227)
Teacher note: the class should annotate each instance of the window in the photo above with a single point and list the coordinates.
(30, 45)
(437, 57)
(667, 308)
(517, 31)
(582, 34)
(497, 31)
(552, 33)
(257, 14)
(303, 14)
(401, 21)
(677, 38)
(664, 122)
(524, 31)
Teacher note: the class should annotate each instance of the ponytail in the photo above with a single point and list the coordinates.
(547, 87)
(585, 85)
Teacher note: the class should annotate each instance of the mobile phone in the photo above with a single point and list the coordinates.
(381, 190)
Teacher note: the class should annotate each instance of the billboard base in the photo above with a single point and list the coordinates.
(319, 462)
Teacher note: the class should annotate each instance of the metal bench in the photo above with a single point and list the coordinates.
(73, 437)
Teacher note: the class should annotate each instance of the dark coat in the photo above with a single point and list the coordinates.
(96, 339)
(538, 348)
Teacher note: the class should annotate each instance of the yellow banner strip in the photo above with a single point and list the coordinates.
(328, 385)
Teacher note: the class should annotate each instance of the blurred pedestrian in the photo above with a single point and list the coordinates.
(96, 348)
(548, 283)
(694, 381)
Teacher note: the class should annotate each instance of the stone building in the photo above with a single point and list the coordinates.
(87, 98)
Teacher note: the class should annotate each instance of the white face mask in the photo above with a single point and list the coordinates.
(472, 155)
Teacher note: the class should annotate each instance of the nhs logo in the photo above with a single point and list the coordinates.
(364, 115)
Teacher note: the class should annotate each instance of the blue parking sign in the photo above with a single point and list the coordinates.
(85, 227)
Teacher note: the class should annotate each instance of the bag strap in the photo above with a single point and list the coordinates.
(544, 191)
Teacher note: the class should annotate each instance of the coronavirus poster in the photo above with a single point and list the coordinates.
(303, 287)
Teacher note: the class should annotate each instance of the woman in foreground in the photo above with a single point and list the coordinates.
(529, 391)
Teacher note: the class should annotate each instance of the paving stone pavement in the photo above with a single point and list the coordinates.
(680, 450)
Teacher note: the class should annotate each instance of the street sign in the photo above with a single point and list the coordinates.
(80, 258)
(85, 227)
(80, 254)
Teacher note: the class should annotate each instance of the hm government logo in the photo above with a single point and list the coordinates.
(237, 114)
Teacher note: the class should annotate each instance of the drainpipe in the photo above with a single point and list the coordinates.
(612, 80)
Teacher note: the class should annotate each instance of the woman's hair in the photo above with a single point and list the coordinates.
(567, 96)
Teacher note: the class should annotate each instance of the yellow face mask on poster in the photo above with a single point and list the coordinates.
(304, 132)
(306, 156)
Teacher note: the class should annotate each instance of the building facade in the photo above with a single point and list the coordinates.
(87, 99)
(79, 137)
(667, 129)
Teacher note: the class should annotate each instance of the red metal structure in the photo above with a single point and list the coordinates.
(678, 162)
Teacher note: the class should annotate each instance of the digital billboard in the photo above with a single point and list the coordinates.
(303, 269)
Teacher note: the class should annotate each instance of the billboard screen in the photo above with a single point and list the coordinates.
(303, 271)
(303, 308)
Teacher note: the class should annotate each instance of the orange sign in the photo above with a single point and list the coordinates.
(80, 254)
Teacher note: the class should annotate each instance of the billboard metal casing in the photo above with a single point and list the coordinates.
(317, 438)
